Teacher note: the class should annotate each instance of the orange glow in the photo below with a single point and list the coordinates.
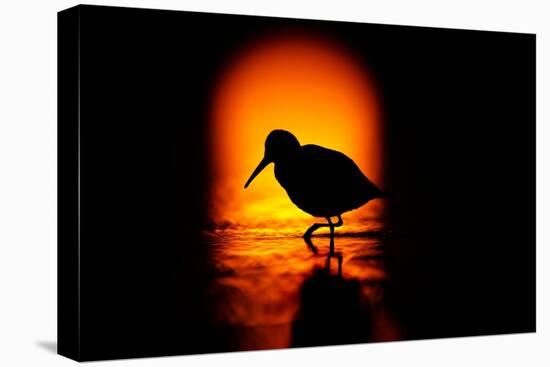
(310, 87)
(319, 92)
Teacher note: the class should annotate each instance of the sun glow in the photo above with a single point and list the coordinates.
(309, 86)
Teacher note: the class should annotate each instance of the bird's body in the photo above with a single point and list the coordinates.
(323, 182)
(320, 181)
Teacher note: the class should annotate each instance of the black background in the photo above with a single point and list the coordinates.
(459, 115)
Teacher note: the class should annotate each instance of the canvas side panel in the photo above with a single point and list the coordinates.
(68, 313)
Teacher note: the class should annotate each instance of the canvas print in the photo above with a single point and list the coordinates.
(237, 183)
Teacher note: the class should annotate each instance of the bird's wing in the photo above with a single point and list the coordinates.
(328, 164)
(334, 176)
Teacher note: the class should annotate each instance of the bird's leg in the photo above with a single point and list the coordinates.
(340, 221)
(332, 225)
(309, 232)
(315, 227)
(331, 253)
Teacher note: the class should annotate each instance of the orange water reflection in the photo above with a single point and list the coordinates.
(260, 279)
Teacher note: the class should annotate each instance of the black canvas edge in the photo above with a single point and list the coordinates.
(68, 214)
(289, 17)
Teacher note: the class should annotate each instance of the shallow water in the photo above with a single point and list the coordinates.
(275, 289)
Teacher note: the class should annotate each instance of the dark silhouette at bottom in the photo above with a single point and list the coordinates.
(331, 310)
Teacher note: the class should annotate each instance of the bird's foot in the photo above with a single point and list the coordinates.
(310, 245)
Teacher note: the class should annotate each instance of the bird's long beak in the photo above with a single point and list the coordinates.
(257, 171)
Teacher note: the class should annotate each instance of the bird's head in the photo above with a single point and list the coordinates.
(279, 145)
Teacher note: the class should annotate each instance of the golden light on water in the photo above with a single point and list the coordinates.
(308, 86)
(262, 285)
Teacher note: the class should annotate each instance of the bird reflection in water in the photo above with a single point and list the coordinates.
(275, 293)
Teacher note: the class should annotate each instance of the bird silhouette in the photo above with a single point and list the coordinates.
(322, 182)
